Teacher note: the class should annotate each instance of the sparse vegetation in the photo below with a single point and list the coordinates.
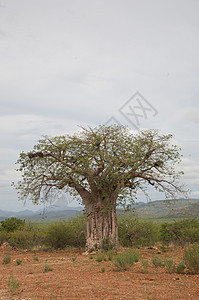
(47, 268)
(13, 285)
(19, 261)
(126, 260)
(35, 257)
(191, 258)
(145, 265)
(157, 262)
(180, 268)
(100, 256)
(170, 265)
(6, 259)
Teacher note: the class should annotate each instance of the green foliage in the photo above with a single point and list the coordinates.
(145, 265)
(134, 232)
(126, 260)
(35, 258)
(107, 244)
(66, 162)
(13, 285)
(6, 259)
(110, 254)
(3, 236)
(158, 262)
(74, 258)
(18, 261)
(170, 266)
(62, 234)
(47, 268)
(102, 269)
(180, 268)
(26, 238)
(191, 258)
(12, 224)
(100, 256)
(180, 232)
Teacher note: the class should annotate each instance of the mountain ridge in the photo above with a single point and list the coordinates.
(153, 209)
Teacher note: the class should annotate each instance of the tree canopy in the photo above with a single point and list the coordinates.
(105, 165)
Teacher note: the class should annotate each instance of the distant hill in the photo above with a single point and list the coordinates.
(51, 213)
(173, 209)
(155, 209)
(54, 215)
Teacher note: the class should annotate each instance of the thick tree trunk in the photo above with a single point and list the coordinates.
(101, 224)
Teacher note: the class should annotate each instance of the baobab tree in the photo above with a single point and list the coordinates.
(105, 166)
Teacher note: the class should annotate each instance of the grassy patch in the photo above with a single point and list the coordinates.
(126, 260)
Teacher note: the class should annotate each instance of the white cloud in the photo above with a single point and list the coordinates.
(193, 115)
(191, 171)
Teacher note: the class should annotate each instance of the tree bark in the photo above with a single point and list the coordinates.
(101, 224)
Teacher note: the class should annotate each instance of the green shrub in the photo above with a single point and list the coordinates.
(74, 258)
(35, 258)
(13, 285)
(47, 268)
(126, 260)
(107, 244)
(134, 232)
(3, 236)
(25, 238)
(110, 254)
(170, 266)
(180, 268)
(145, 265)
(158, 262)
(19, 261)
(66, 233)
(12, 224)
(100, 256)
(6, 259)
(180, 232)
(191, 258)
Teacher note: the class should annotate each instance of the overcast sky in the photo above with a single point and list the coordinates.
(68, 63)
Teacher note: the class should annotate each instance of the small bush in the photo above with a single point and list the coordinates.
(100, 257)
(180, 268)
(157, 262)
(126, 260)
(19, 261)
(47, 268)
(170, 266)
(6, 259)
(74, 258)
(191, 259)
(145, 265)
(110, 254)
(35, 257)
(107, 244)
(13, 285)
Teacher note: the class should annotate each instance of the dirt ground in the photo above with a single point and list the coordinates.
(75, 275)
